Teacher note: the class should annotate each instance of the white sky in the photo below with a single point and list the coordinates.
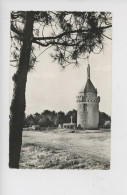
(48, 87)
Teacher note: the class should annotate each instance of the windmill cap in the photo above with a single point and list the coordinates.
(89, 88)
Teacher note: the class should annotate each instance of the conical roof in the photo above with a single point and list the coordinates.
(89, 88)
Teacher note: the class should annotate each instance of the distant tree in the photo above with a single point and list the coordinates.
(60, 117)
(72, 113)
(30, 120)
(103, 117)
(45, 119)
(73, 35)
(44, 122)
(53, 118)
(36, 118)
(50, 117)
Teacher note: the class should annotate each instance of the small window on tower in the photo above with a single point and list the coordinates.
(85, 107)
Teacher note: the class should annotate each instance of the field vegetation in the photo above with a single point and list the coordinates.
(65, 149)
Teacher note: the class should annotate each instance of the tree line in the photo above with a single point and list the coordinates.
(52, 119)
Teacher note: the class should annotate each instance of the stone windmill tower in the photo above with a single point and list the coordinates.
(88, 105)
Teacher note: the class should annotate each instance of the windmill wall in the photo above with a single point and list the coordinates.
(88, 106)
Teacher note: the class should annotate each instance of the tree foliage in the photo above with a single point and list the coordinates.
(103, 118)
(50, 118)
(73, 35)
(53, 119)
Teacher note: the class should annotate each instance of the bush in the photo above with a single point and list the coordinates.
(79, 127)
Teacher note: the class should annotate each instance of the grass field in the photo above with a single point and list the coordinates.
(60, 149)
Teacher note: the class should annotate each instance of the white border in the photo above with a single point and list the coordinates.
(31, 182)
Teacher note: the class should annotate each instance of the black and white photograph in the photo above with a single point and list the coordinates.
(60, 90)
(63, 92)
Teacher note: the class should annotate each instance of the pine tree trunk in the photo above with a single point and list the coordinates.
(17, 109)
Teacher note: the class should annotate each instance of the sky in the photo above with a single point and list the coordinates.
(50, 87)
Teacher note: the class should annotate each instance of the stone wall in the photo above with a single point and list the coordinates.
(88, 112)
(93, 116)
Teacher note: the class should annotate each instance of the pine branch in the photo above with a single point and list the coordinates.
(56, 43)
(71, 32)
(107, 37)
